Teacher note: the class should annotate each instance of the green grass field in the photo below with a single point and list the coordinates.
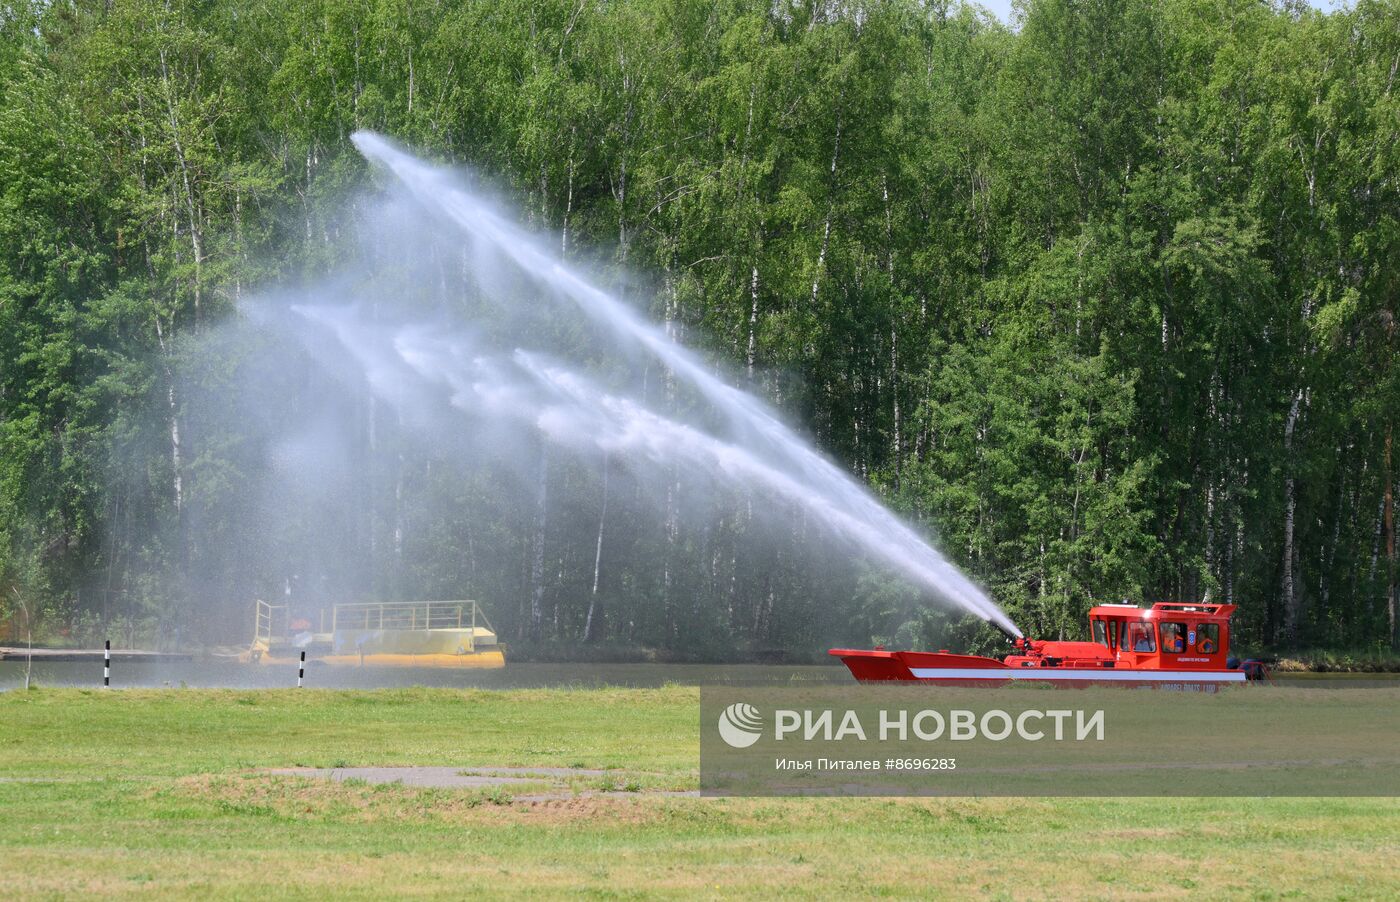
(160, 793)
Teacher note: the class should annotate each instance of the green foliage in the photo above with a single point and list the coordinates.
(1106, 304)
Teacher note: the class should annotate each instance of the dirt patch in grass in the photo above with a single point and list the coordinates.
(279, 797)
(630, 811)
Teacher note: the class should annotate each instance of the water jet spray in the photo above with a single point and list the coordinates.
(744, 443)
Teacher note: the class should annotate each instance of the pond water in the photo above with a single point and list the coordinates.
(229, 674)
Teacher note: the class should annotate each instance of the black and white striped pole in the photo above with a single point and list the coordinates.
(301, 670)
(107, 663)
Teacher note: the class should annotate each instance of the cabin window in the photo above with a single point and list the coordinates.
(1173, 637)
(1137, 636)
(1207, 638)
(1100, 633)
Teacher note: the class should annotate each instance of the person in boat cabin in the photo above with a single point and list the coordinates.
(1141, 638)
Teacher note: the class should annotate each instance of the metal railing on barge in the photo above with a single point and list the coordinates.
(409, 615)
(271, 622)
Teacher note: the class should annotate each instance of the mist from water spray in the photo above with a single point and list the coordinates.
(741, 443)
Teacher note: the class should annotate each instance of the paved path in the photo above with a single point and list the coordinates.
(476, 778)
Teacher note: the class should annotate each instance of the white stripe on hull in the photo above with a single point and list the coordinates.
(1066, 674)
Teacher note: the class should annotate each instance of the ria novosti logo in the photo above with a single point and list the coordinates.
(740, 725)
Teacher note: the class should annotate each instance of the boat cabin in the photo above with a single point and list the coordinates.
(1167, 635)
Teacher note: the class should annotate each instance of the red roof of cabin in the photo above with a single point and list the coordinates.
(1165, 610)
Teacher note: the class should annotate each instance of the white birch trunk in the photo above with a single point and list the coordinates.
(568, 201)
(1289, 590)
(597, 557)
(826, 225)
(537, 552)
(196, 237)
(753, 320)
(1390, 588)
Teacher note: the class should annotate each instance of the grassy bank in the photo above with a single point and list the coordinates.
(1332, 660)
(160, 792)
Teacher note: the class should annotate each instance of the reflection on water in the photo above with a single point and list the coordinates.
(227, 674)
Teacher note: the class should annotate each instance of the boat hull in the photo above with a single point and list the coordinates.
(492, 659)
(943, 669)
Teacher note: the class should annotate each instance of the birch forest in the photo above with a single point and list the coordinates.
(1103, 301)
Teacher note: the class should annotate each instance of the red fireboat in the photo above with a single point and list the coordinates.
(1170, 646)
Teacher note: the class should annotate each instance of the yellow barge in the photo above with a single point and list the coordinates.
(378, 634)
